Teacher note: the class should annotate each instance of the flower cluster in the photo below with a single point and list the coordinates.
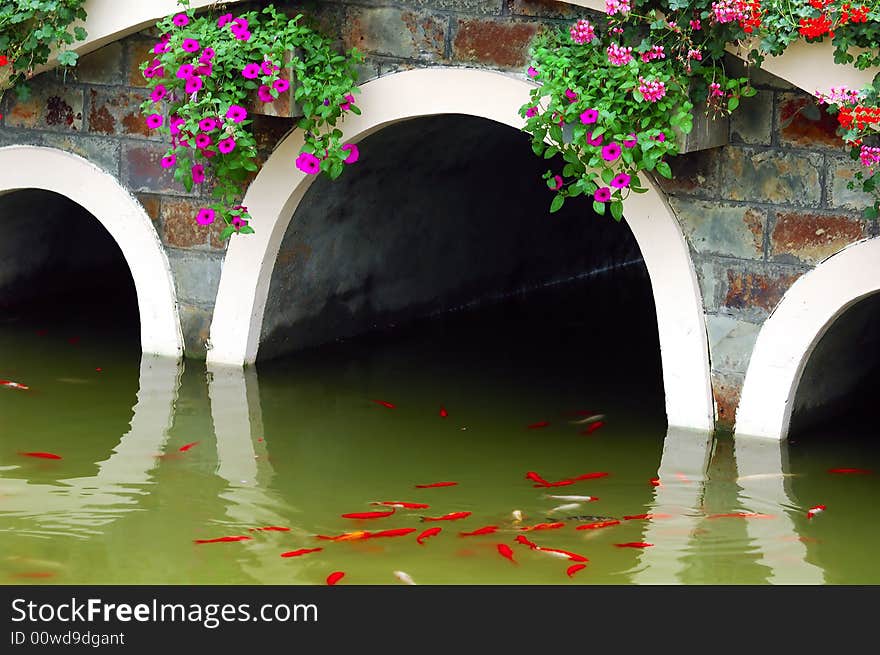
(618, 55)
(729, 11)
(613, 7)
(582, 32)
(651, 90)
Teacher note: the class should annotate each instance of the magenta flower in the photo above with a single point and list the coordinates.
(241, 35)
(207, 55)
(181, 20)
(268, 67)
(205, 70)
(264, 93)
(240, 23)
(251, 71)
(224, 20)
(190, 45)
(238, 222)
(353, 153)
(281, 85)
(620, 181)
(161, 47)
(158, 93)
(185, 72)
(597, 141)
(631, 142)
(208, 125)
(557, 182)
(618, 55)
(203, 140)
(533, 72)
(198, 173)
(207, 153)
(531, 111)
(660, 137)
(206, 216)
(582, 32)
(611, 152)
(589, 116)
(308, 163)
(154, 121)
(169, 161)
(349, 99)
(226, 145)
(193, 85)
(602, 194)
(236, 113)
(154, 71)
(571, 95)
(175, 124)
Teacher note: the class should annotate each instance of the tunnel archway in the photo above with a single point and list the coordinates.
(99, 194)
(273, 197)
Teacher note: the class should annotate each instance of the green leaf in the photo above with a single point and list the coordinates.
(617, 210)
(664, 170)
(556, 205)
(733, 103)
(599, 207)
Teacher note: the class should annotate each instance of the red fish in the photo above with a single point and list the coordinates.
(593, 427)
(489, 529)
(99, 369)
(591, 476)
(301, 551)
(815, 510)
(634, 544)
(183, 449)
(396, 532)
(453, 516)
(443, 412)
(505, 551)
(542, 424)
(384, 403)
(347, 536)
(222, 540)
(655, 482)
(270, 528)
(436, 484)
(401, 504)
(430, 532)
(574, 568)
(740, 515)
(534, 477)
(41, 455)
(574, 557)
(597, 525)
(13, 385)
(522, 539)
(369, 515)
(649, 517)
(335, 577)
(838, 470)
(543, 526)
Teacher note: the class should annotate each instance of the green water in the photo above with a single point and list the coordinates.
(298, 442)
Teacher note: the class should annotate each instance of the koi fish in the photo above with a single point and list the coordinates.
(534, 477)
(301, 551)
(634, 544)
(436, 484)
(574, 568)
(517, 516)
(815, 510)
(183, 449)
(557, 552)
(565, 508)
(404, 577)
(522, 539)
(453, 516)
(590, 476)
(99, 369)
(536, 426)
(347, 536)
(842, 470)
(597, 525)
(592, 418)
(543, 526)
(396, 532)
(384, 403)
(489, 529)
(270, 528)
(595, 426)
(577, 499)
(655, 482)
(335, 577)
(13, 385)
(430, 532)
(401, 504)
(369, 515)
(505, 551)
(740, 515)
(558, 483)
(41, 455)
(648, 517)
(222, 540)
(443, 412)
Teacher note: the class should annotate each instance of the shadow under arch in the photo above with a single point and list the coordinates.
(99, 193)
(278, 189)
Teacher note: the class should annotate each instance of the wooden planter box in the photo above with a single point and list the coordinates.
(284, 105)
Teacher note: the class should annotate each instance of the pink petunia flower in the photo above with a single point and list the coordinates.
(251, 71)
(224, 20)
(169, 161)
(175, 124)
(207, 55)
(603, 194)
(353, 153)
(281, 85)
(185, 71)
(206, 216)
(268, 67)
(161, 47)
(158, 93)
(154, 121)
(571, 95)
(241, 23)
(226, 145)
(531, 111)
(532, 72)
(264, 93)
(208, 125)
(308, 163)
(198, 173)
(207, 153)
(181, 20)
(203, 140)
(236, 113)
(620, 181)
(205, 70)
(190, 45)
(557, 182)
(611, 152)
(631, 142)
(193, 85)
(238, 222)
(594, 141)
(241, 35)
(589, 116)
(349, 99)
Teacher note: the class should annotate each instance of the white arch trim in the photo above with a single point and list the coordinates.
(274, 195)
(98, 192)
(791, 333)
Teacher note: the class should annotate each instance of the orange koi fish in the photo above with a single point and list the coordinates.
(655, 482)
(574, 568)
(222, 540)
(593, 427)
(740, 515)
(536, 426)
(522, 539)
(597, 525)
(557, 552)
(534, 477)
(301, 551)
(443, 412)
(401, 505)
(634, 544)
(347, 536)
(453, 516)
(269, 528)
(815, 509)
(430, 532)
(396, 532)
(384, 403)
(335, 577)
(489, 529)
(838, 470)
(13, 385)
(183, 449)
(505, 551)
(369, 515)
(543, 526)
(436, 484)
(648, 517)
(41, 455)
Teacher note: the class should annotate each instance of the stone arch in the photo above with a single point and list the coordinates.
(279, 187)
(791, 333)
(99, 193)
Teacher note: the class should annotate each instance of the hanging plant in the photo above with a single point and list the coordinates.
(202, 77)
(30, 31)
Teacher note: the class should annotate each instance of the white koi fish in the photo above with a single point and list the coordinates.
(576, 499)
(404, 577)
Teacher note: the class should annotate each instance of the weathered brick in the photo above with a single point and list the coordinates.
(708, 281)
(730, 342)
(503, 43)
(811, 237)
(695, 173)
(711, 227)
(142, 171)
(727, 389)
(139, 51)
(476, 7)
(805, 124)
(52, 106)
(396, 33)
(117, 112)
(179, 227)
(752, 123)
(544, 9)
(771, 176)
(840, 173)
(195, 323)
(102, 152)
(104, 66)
(151, 204)
(196, 275)
(756, 292)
